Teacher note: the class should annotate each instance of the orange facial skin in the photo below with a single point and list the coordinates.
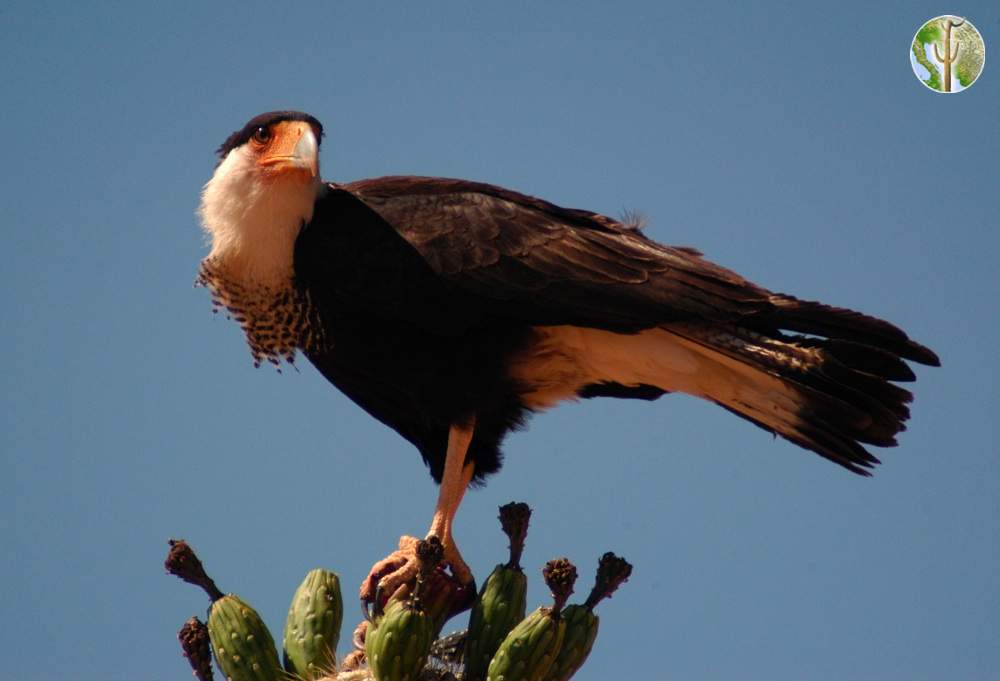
(286, 148)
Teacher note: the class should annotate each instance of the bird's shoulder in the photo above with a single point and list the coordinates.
(443, 205)
(564, 265)
(471, 195)
(484, 223)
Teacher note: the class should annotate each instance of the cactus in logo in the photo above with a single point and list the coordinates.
(950, 54)
(947, 54)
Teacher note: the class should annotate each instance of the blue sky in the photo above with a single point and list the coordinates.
(789, 141)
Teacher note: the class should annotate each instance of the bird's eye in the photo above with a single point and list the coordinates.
(261, 135)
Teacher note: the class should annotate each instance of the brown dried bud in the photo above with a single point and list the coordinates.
(195, 643)
(514, 519)
(182, 562)
(559, 576)
(611, 572)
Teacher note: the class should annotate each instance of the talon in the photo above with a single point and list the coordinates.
(388, 575)
(454, 560)
(358, 637)
(353, 661)
(396, 580)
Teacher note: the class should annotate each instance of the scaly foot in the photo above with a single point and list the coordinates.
(399, 570)
(390, 573)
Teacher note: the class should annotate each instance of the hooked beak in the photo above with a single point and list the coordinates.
(293, 148)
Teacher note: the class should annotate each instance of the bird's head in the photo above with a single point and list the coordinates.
(262, 192)
(275, 146)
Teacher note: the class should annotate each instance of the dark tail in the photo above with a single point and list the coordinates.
(831, 392)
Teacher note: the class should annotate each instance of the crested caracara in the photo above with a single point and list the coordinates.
(452, 310)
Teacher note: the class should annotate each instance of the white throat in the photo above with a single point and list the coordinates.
(253, 222)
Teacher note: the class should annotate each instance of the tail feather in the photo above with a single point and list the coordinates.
(831, 396)
(865, 358)
(837, 449)
(882, 404)
(839, 323)
(832, 393)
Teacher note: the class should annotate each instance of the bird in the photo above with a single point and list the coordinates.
(451, 311)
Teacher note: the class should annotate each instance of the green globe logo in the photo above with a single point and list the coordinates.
(947, 54)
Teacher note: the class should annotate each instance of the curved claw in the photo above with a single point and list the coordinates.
(469, 592)
(458, 566)
(358, 637)
(394, 575)
(387, 575)
(379, 604)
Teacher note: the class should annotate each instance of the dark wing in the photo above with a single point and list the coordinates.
(446, 261)
(531, 260)
(550, 264)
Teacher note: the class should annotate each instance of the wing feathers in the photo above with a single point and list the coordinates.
(521, 260)
(476, 234)
(466, 231)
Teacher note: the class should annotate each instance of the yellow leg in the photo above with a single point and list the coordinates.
(454, 482)
(388, 574)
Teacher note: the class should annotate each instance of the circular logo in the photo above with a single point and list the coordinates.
(947, 54)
